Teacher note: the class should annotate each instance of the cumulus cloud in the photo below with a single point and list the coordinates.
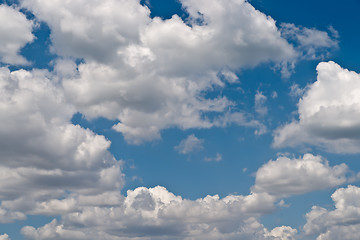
(341, 223)
(92, 30)
(4, 237)
(15, 32)
(190, 144)
(52, 167)
(283, 233)
(153, 74)
(329, 113)
(149, 74)
(286, 177)
(155, 213)
(44, 157)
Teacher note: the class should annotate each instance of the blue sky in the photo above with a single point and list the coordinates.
(189, 119)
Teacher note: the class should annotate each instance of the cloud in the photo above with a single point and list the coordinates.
(274, 95)
(241, 119)
(155, 213)
(328, 113)
(260, 101)
(190, 144)
(54, 168)
(311, 43)
(44, 157)
(283, 233)
(341, 223)
(92, 30)
(154, 73)
(286, 177)
(4, 237)
(296, 91)
(15, 32)
(114, 61)
(217, 158)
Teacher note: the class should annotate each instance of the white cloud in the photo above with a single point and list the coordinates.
(260, 100)
(240, 119)
(44, 157)
(4, 237)
(155, 213)
(190, 144)
(93, 30)
(283, 233)
(15, 33)
(296, 91)
(329, 113)
(286, 177)
(152, 75)
(311, 43)
(217, 158)
(274, 94)
(341, 223)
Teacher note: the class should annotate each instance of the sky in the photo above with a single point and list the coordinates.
(179, 119)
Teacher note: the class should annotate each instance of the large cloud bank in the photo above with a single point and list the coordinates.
(114, 61)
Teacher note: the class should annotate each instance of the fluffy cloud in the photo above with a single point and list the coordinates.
(150, 74)
(4, 237)
(341, 223)
(190, 144)
(52, 167)
(15, 32)
(93, 30)
(285, 176)
(155, 213)
(43, 156)
(153, 74)
(283, 233)
(329, 113)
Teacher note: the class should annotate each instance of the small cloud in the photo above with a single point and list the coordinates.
(136, 178)
(217, 158)
(296, 91)
(190, 144)
(260, 101)
(274, 95)
(229, 76)
(282, 203)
